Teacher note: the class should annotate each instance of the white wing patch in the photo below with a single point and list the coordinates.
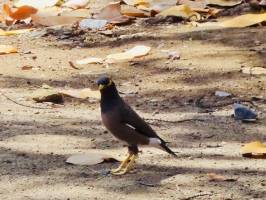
(154, 142)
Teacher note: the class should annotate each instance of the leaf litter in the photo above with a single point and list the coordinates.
(89, 159)
(254, 149)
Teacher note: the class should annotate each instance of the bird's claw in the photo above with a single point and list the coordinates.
(125, 166)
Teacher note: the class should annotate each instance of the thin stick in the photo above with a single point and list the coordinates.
(177, 121)
(72, 65)
(35, 107)
(197, 195)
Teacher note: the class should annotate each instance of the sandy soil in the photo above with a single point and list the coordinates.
(34, 143)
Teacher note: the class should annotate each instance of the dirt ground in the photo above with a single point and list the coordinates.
(34, 143)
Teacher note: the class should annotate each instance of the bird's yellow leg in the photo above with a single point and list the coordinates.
(128, 167)
(122, 165)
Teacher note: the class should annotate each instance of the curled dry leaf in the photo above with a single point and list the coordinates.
(224, 3)
(254, 150)
(81, 93)
(217, 178)
(21, 13)
(48, 95)
(183, 11)
(75, 4)
(135, 52)
(6, 49)
(237, 22)
(137, 2)
(89, 159)
(26, 67)
(112, 13)
(54, 20)
(160, 5)
(36, 4)
(83, 13)
(245, 20)
(89, 60)
(199, 4)
(133, 12)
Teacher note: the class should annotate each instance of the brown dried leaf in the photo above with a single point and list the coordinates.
(54, 20)
(133, 12)
(135, 52)
(112, 13)
(47, 95)
(183, 11)
(6, 49)
(224, 3)
(237, 22)
(199, 4)
(89, 159)
(21, 13)
(76, 4)
(26, 67)
(254, 149)
(219, 178)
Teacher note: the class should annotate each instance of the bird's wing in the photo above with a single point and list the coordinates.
(130, 117)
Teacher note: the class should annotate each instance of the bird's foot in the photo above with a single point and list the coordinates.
(125, 166)
(122, 165)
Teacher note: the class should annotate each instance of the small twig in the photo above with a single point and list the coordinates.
(72, 65)
(176, 121)
(147, 184)
(35, 107)
(197, 195)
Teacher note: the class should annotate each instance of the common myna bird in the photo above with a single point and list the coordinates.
(126, 125)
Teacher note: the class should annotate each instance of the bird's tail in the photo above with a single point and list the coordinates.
(167, 149)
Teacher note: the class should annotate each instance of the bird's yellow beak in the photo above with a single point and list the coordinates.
(101, 86)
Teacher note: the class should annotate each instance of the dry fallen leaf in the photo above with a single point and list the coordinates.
(47, 95)
(75, 4)
(133, 12)
(216, 178)
(83, 13)
(21, 13)
(81, 93)
(183, 11)
(36, 4)
(89, 60)
(135, 52)
(89, 159)
(253, 70)
(224, 3)
(26, 67)
(112, 13)
(237, 22)
(13, 32)
(6, 49)
(254, 149)
(244, 20)
(199, 4)
(54, 20)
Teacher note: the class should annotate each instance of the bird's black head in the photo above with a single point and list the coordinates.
(109, 93)
(104, 82)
